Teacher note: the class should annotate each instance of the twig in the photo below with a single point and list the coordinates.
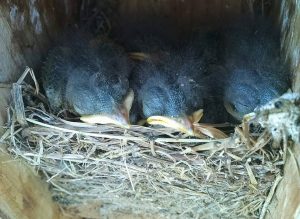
(269, 197)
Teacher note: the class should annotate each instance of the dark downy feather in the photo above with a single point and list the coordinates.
(84, 78)
(171, 85)
(255, 71)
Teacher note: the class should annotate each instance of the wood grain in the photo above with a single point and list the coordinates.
(22, 193)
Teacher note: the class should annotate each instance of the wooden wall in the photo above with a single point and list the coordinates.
(290, 21)
(26, 31)
(175, 17)
(22, 193)
(286, 201)
(27, 27)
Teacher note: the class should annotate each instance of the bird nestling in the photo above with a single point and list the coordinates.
(256, 74)
(90, 80)
(170, 88)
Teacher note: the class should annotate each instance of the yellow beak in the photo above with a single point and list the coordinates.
(140, 56)
(185, 127)
(105, 119)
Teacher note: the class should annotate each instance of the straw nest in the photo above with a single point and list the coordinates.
(143, 170)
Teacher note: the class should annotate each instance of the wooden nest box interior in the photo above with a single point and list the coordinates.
(30, 28)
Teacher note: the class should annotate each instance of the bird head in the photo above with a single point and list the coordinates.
(233, 111)
(182, 123)
(118, 116)
(247, 90)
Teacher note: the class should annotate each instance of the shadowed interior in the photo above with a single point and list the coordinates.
(29, 29)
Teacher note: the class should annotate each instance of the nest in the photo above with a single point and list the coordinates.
(143, 170)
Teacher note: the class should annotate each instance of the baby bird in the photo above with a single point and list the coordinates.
(169, 89)
(255, 72)
(90, 80)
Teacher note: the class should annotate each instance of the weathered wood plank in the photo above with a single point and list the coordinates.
(22, 193)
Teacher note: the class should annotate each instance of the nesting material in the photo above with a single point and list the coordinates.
(281, 117)
(143, 170)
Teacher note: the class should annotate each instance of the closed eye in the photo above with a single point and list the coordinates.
(239, 103)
